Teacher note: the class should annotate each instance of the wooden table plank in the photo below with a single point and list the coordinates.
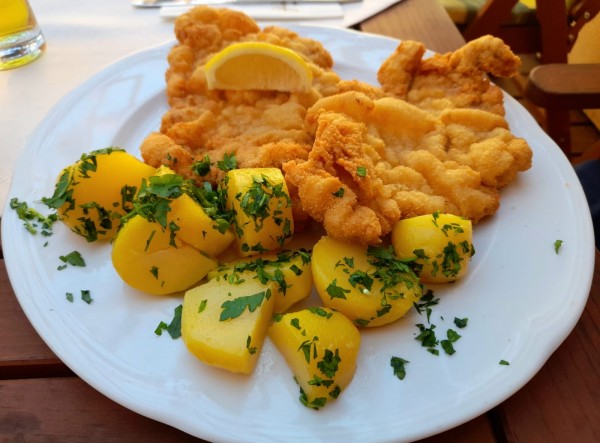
(562, 402)
(68, 410)
(23, 353)
(422, 21)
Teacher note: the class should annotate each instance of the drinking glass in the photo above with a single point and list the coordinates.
(21, 40)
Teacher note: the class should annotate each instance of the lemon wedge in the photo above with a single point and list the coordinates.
(259, 66)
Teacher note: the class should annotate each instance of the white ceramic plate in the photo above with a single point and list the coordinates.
(522, 299)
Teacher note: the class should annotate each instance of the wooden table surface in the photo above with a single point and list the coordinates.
(41, 400)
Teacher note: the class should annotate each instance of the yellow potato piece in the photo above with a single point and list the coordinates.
(289, 270)
(321, 347)
(259, 66)
(442, 243)
(263, 208)
(370, 295)
(224, 325)
(143, 256)
(195, 227)
(94, 190)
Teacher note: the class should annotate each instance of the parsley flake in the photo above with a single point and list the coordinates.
(557, 245)
(33, 219)
(339, 193)
(228, 163)
(234, 308)
(202, 167)
(336, 291)
(397, 364)
(86, 297)
(461, 322)
(173, 328)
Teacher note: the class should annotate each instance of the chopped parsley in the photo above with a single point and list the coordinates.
(32, 219)
(320, 312)
(329, 364)
(557, 245)
(461, 322)
(425, 303)
(202, 167)
(234, 308)
(447, 345)
(173, 328)
(264, 200)
(63, 192)
(86, 296)
(336, 291)
(265, 270)
(339, 193)
(361, 171)
(228, 163)
(72, 258)
(427, 337)
(398, 365)
(315, 404)
(251, 349)
(504, 363)
(307, 347)
(154, 199)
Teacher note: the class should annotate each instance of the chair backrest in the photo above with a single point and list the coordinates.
(559, 22)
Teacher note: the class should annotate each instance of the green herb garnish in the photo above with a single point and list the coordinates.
(86, 297)
(557, 245)
(397, 364)
(234, 308)
(72, 258)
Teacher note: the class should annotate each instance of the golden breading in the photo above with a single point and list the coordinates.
(454, 80)
(356, 157)
(262, 128)
(416, 163)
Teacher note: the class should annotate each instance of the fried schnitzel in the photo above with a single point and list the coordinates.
(356, 157)
(262, 128)
(413, 163)
(454, 80)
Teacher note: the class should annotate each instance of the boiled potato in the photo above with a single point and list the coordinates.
(92, 194)
(224, 325)
(321, 347)
(290, 270)
(194, 226)
(263, 208)
(151, 259)
(441, 243)
(371, 286)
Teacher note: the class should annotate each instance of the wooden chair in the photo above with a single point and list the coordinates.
(573, 86)
(557, 29)
(562, 86)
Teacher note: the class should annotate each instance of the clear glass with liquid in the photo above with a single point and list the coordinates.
(21, 40)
